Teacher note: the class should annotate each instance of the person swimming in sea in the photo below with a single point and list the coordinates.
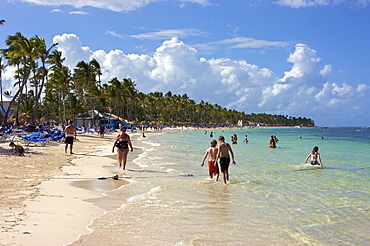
(315, 157)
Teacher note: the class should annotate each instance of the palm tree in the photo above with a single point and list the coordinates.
(2, 66)
(43, 54)
(96, 69)
(84, 77)
(60, 84)
(20, 51)
(57, 86)
(117, 96)
(131, 93)
(97, 93)
(2, 22)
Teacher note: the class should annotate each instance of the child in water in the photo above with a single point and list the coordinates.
(315, 157)
(212, 161)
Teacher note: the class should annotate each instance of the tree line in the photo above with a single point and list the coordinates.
(45, 86)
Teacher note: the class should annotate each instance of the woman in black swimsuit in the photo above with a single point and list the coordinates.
(315, 157)
(123, 142)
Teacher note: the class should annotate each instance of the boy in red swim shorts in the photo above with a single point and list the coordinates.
(212, 161)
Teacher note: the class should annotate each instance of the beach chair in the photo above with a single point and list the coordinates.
(80, 131)
(59, 137)
(35, 138)
(8, 136)
(32, 135)
(35, 141)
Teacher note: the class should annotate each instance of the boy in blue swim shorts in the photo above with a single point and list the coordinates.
(223, 154)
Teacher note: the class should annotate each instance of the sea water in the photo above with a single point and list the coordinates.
(272, 198)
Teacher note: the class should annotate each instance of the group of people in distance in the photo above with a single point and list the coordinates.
(216, 154)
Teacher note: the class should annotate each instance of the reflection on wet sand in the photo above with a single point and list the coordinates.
(100, 185)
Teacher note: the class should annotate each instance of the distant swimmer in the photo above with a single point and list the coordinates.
(224, 152)
(272, 142)
(234, 139)
(212, 161)
(315, 157)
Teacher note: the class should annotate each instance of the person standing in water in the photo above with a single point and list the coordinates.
(272, 142)
(315, 157)
(123, 142)
(212, 161)
(224, 152)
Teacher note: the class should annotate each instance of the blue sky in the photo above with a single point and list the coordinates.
(291, 57)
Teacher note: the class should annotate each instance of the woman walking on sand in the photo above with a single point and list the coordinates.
(123, 142)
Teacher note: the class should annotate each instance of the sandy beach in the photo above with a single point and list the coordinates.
(43, 193)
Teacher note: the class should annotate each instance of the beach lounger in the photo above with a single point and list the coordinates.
(8, 136)
(35, 141)
(59, 137)
(35, 138)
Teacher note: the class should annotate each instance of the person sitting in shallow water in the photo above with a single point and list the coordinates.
(315, 157)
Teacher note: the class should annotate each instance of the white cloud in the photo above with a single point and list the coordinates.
(168, 34)
(114, 34)
(242, 43)
(72, 49)
(326, 71)
(114, 5)
(56, 10)
(8, 78)
(174, 66)
(78, 13)
(302, 3)
(314, 3)
(306, 65)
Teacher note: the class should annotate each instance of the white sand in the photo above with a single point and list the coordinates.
(58, 215)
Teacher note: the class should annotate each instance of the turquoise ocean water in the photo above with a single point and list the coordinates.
(272, 198)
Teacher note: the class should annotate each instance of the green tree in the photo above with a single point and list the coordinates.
(42, 53)
(2, 67)
(22, 53)
(59, 86)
